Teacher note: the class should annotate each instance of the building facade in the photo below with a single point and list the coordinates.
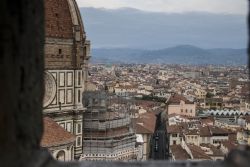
(179, 105)
(66, 60)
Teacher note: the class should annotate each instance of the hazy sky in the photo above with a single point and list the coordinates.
(213, 6)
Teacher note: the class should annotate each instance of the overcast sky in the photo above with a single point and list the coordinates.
(213, 6)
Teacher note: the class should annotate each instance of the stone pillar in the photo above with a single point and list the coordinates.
(21, 73)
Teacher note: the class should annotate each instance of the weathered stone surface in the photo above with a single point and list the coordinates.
(21, 73)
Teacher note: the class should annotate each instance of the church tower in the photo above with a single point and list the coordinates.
(66, 59)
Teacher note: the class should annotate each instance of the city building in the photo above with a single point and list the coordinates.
(145, 126)
(200, 93)
(178, 104)
(108, 131)
(212, 103)
(195, 141)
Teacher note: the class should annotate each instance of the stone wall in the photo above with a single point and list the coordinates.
(21, 73)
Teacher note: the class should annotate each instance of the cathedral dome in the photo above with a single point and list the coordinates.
(63, 19)
(65, 43)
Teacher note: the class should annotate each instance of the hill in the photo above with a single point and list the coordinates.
(182, 54)
(132, 28)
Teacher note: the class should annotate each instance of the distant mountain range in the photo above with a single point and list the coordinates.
(136, 36)
(182, 54)
(132, 28)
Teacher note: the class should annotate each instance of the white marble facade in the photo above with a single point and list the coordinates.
(63, 90)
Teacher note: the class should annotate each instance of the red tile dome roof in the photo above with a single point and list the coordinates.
(61, 18)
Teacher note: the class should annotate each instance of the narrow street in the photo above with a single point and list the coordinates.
(159, 141)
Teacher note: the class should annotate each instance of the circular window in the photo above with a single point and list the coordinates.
(50, 89)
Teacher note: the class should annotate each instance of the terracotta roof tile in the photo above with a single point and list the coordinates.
(192, 132)
(54, 134)
(179, 153)
(141, 129)
(218, 131)
(216, 151)
(198, 153)
(205, 132)
(174, 129)
(145, 123)
(176, 99)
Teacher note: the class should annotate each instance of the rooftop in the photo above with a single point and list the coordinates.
(176, 99)
(145, 123)
(198, 153)
(54, 134)
(179, 153)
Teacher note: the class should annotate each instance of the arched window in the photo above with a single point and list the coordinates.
(60, 156)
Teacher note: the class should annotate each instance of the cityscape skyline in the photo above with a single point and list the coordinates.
(178, 90)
